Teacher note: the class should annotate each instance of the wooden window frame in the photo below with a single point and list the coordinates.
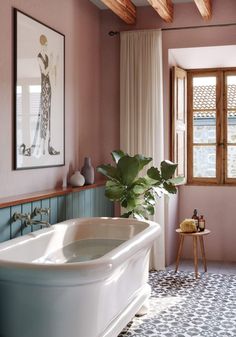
(221, 127)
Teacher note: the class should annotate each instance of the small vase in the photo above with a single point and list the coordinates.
(77, 179)
(88, 171)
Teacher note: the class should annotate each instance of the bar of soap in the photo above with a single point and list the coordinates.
(188, 226)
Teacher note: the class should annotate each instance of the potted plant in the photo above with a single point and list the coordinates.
(136, 190)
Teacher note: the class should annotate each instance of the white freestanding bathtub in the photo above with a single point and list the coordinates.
(80, 278)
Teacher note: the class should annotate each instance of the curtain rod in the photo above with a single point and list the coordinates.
(113, 33)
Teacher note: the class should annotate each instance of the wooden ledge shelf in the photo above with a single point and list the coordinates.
(30, 197)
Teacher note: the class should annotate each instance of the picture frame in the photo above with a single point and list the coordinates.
(39, 94)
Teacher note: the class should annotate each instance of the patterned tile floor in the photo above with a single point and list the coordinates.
(181, 306)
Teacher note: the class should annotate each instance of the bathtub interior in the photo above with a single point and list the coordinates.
(92, 238)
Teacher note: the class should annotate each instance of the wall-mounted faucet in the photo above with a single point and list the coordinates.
(29, 218)
(40, 211)
(20, 216)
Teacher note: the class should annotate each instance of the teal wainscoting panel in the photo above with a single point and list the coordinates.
(26, 208)
(61, 208)
(37, 204)
(15, 225)
(96, 202)
(75, 204)
(69, 206)
(5, 224)
(53, 211)
(87, 203)
(82, 204)
(45, 204)
(92, 202)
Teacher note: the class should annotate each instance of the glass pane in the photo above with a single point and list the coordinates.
(231, 92)
(231, 132)
(204, 127)
(204, 161)
(204, 93)
(231, 162)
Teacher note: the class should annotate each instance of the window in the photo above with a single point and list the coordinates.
(211, 128)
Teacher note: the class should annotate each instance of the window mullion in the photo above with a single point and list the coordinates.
(219, 129)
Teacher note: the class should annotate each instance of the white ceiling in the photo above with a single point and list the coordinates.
(203, 57)
(138, 3)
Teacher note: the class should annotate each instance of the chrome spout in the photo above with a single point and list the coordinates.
(32, 222)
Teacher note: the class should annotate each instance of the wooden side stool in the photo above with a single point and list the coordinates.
(196, 235)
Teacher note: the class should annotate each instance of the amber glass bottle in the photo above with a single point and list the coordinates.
(195, 217)
(202, 223)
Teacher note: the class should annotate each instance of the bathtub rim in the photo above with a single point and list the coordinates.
(137, 242)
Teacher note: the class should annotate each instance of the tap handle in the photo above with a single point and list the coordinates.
(20, 216)
(41, 211)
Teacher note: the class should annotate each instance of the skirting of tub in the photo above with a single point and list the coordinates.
(121, 320)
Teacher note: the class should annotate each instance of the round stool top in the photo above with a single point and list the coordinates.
(205, 232)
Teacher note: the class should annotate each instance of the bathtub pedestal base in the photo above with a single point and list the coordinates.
(144, 309)
(138, 300)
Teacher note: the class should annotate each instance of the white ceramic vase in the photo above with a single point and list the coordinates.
(77, 179)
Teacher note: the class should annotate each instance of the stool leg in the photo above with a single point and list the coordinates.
(195, 256)
(203, 252)
(179, 252)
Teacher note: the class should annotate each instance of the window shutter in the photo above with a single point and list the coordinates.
(179, 121)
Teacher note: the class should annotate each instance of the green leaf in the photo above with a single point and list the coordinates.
(177, 180)
(154, 173)
(126, 215)
(143, 161)
(117, 154)
(170, 188)
(150, 209)
(114, 190)
(132, 202)
(128, 168)
(139, 189)
(167, 169)
(150, 199)
(139, 215)
(109, 171)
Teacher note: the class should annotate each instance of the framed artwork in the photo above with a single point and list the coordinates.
(39, 94)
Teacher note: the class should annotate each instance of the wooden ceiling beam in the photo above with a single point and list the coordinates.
(205, 8)
(164, 8)
(125, 9)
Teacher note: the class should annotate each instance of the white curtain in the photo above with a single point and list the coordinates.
(141, 109)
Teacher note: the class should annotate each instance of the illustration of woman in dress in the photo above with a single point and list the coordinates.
(42, 134)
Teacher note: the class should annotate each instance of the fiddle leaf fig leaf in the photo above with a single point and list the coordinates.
(150, 199)
(126, 215)
(154, 173)
(150, 209)
(143, 161)
(109, 171)
(176, 181)
(128, 168)
(131, 203)
(124, 203)
(167, 169)
(169, 187)
(139, 189)
(117, 154)
(114, 191)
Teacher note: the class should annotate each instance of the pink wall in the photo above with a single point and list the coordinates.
(217, 204)
(184, 15)
(79, 20)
